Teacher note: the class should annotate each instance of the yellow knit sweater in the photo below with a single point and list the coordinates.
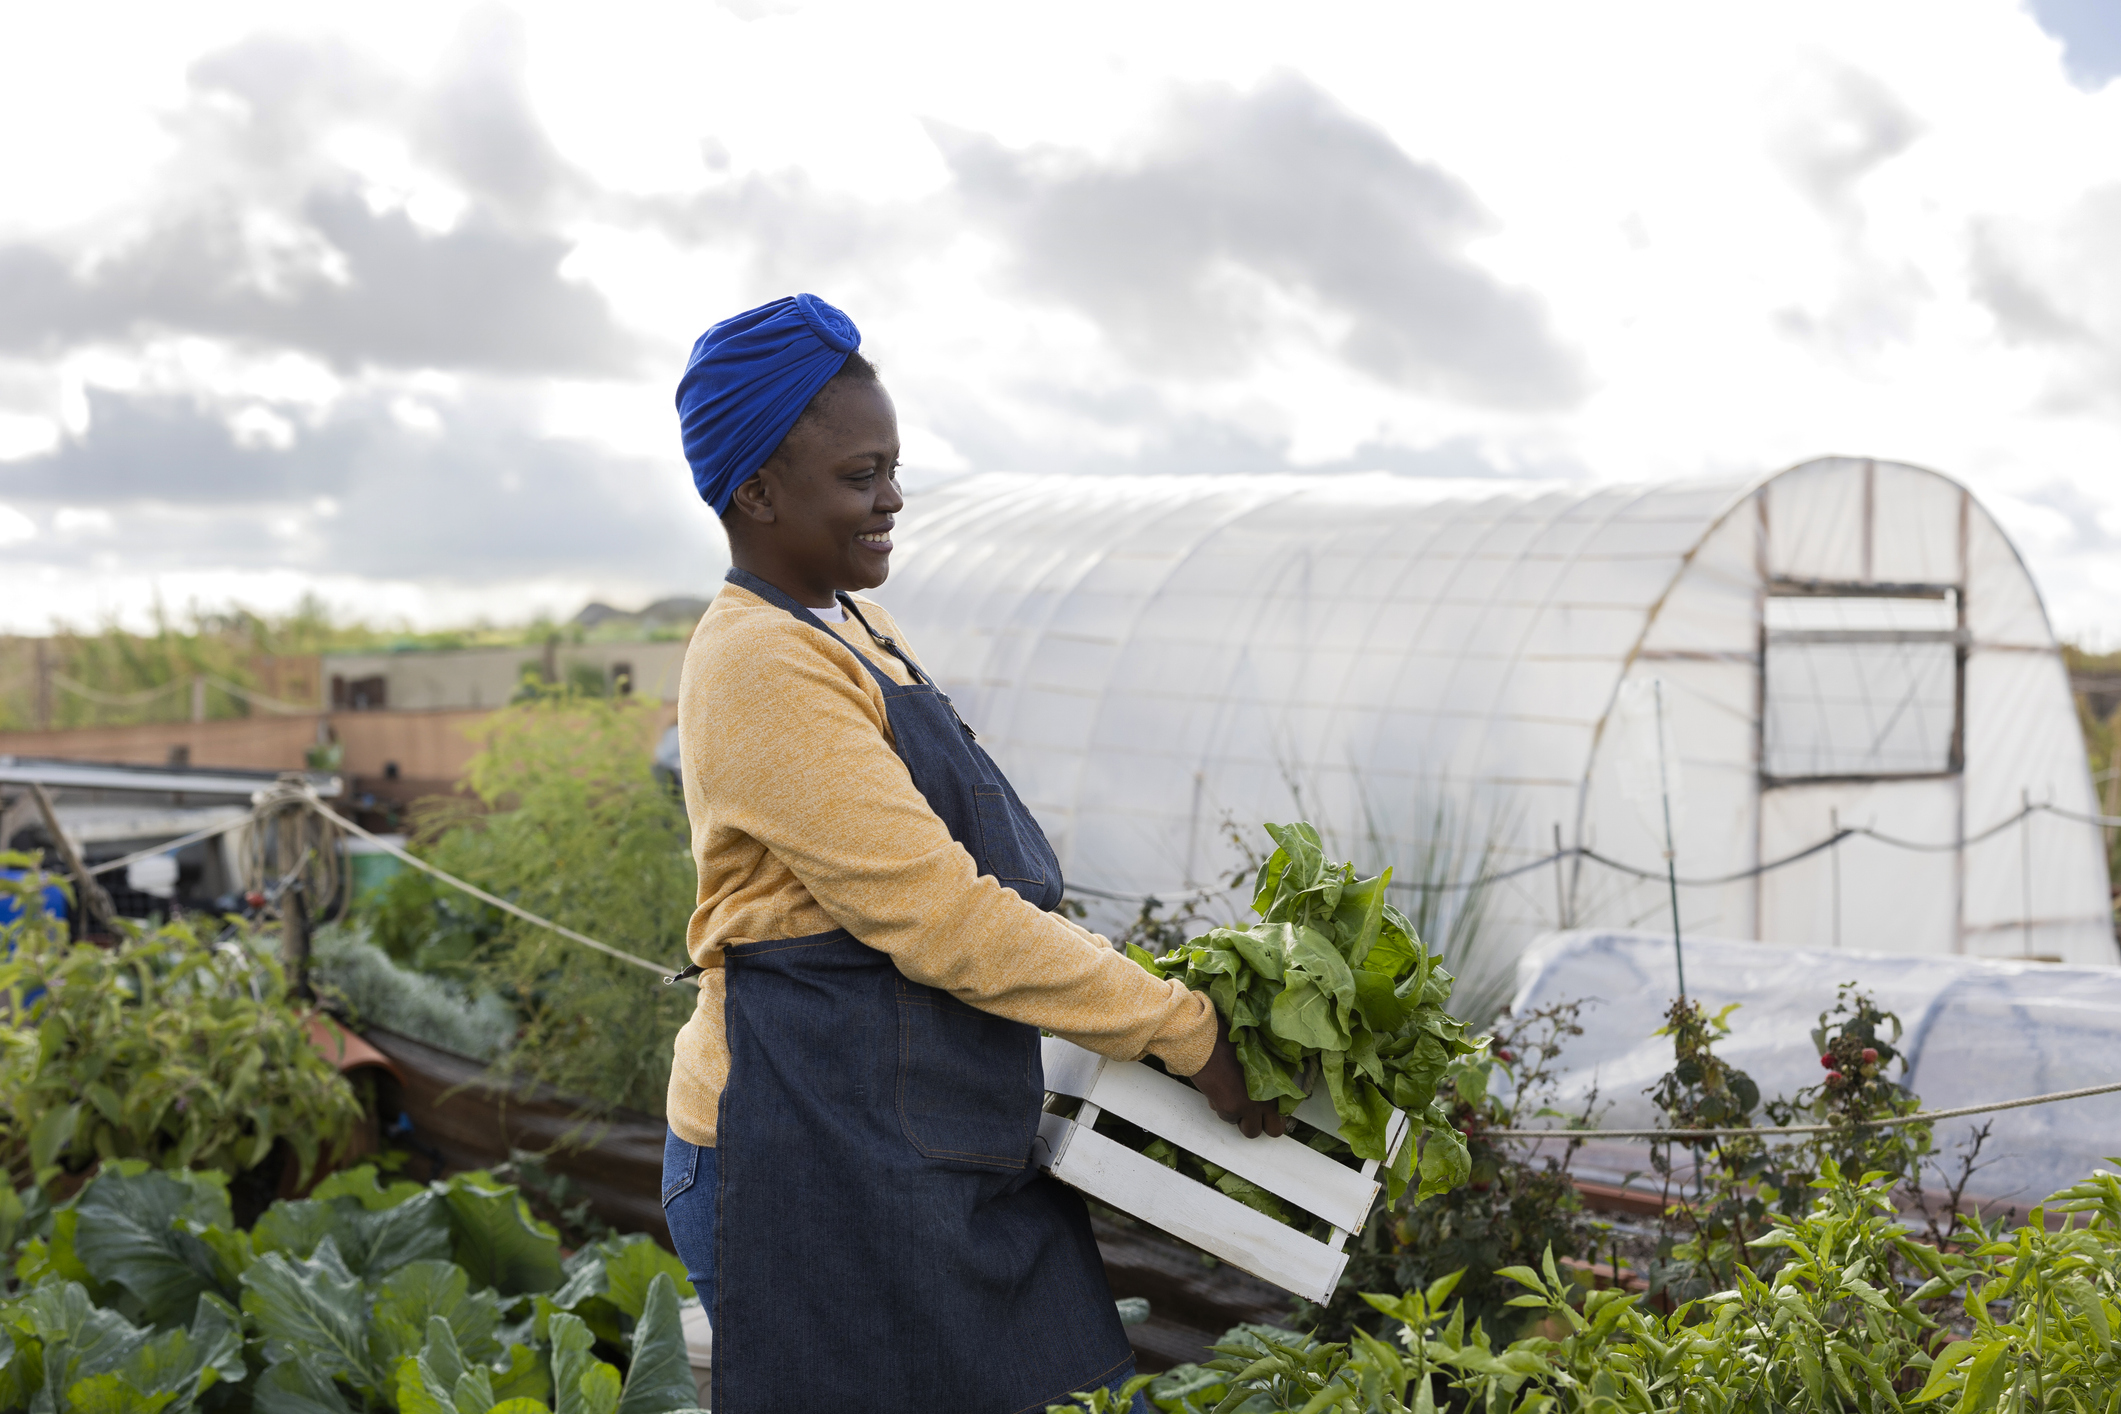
(804, 820)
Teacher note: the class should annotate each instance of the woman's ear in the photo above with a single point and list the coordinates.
(753, 500)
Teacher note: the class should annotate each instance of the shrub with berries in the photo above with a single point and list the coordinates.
(1857, 1049)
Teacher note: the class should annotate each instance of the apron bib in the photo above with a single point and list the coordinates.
(883, 1240)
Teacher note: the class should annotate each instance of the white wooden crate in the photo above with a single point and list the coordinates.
(1073, 1152)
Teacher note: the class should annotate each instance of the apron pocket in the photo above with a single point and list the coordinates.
(1003, 849)
(969, 1084)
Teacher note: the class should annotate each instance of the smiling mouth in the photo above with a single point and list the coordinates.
(875, 540)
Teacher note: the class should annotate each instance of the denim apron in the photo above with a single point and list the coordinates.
(884, 1241)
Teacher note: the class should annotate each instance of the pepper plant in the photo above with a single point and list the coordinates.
(175, 1046)
(1857, 1317)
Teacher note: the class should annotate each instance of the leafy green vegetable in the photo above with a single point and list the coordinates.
(499, 1242)
(132, 1230)
(314, 1311)
(1333, 986)
(412, 1299)
(60, 1351)
(166, 1048)
(660, 1376)
(582, 1383)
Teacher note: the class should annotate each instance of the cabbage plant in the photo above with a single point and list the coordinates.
(142, 1297)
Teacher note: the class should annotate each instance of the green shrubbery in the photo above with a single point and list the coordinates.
(1857, 1316)
(1736, 1184)
(1514, 1206)
(141, 1296)
(175, 1047)
(570, 823)
(364, 984)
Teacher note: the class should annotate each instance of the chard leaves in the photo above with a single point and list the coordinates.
(1306, 1015)
(1333, 983)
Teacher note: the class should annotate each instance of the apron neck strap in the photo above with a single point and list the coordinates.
(746, 580)
(888, 644)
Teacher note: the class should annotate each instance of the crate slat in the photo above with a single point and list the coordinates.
(1283, 1166)
(1193, 1212)
(1070, 1069)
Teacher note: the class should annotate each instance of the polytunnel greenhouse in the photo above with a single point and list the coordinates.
(1453, 682)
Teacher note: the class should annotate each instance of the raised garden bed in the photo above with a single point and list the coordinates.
(457, 1116)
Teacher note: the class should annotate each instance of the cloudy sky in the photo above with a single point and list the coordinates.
(386, 302)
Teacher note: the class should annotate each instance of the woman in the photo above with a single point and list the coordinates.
(848, 1174)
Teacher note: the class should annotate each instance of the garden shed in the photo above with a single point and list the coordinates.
(1436, 670)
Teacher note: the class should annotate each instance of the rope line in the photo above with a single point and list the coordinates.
(1764, 1131)
(1658, 875)
(82, 690)
(478, 893)
(258, 699)
(117, 699)
(178, 843)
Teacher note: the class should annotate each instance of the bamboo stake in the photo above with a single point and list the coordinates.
(94, 901)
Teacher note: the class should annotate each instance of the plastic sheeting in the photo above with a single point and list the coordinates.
(1149, 657)
(1976, 1031)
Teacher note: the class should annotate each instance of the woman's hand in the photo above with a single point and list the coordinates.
(1222, 1080)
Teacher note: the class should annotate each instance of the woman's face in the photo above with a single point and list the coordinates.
(817, 518)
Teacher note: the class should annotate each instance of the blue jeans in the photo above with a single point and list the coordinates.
(688, 1206)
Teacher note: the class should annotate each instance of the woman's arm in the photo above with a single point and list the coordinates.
(787, 734)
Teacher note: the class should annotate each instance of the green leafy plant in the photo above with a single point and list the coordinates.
(1739, 1181)
(362, 983)
(1518, 1200)
(1855, 1041)
(1726, 1204)
(1857, 1317)
(171, 1047)
(567, 820)
(1333, 984)
(141, 1296)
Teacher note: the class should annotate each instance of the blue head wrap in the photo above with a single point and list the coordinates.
(749, 379)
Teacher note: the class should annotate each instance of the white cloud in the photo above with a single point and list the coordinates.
(15, 527)
(415, 416)
(1761, 233)
(83, 520)
(259, 426)
(26, 435)
(923, 450)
